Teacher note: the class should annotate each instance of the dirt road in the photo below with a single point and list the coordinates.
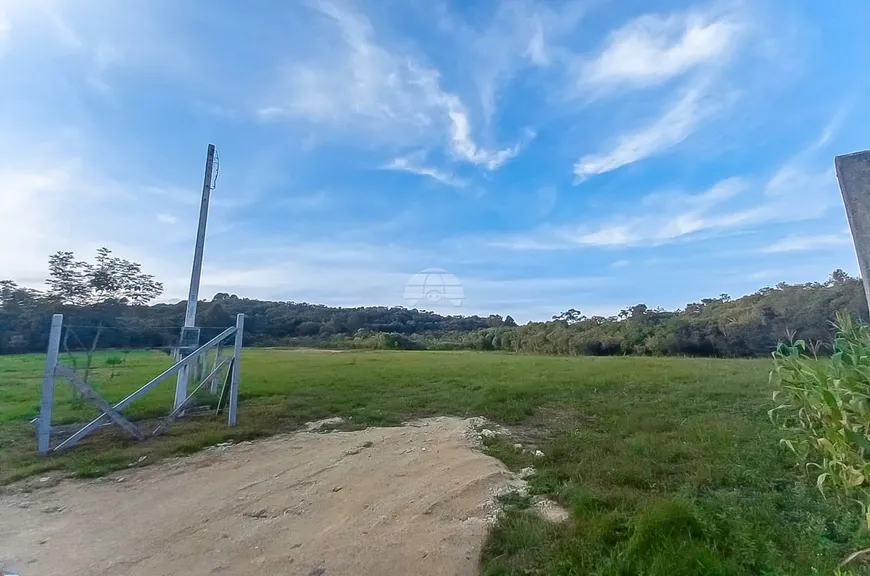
(413, 500)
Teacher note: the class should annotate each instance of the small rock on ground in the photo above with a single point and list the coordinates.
(550, 511)
(318, 424)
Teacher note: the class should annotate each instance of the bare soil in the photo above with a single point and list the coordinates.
(412, 500)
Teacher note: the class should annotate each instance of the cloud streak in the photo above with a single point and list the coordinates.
(678, 122)
(724, 208)
(805, 243)
(395, 100)
(410, 164)
(685, 54)
(522, 34)
(654, 48)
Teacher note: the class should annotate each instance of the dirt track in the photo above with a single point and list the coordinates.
(414, 500)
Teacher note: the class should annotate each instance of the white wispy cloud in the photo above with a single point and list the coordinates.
(676, 124)
(793, 177)
(711, 217)
(536, 50)
(653, 48)
(410, 164)
(393, 98)
(463, 145)
(690, 48)
(726, 207)
(354, 78)
(833, 126)
(807, 242)
(167, 219)
(521, 34)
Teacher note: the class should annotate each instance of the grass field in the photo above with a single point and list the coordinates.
(668, 466)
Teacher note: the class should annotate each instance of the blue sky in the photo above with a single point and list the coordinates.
(591, 154)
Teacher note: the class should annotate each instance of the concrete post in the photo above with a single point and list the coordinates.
(43, 427)
(195, 274)
(237, 367)
(853, 174)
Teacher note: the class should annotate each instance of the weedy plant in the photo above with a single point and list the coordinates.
(824, 405)
(114, 361)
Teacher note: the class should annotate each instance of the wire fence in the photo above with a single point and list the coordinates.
(134, 337)
(117, 360)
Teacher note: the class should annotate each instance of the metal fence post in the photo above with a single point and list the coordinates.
(181, 383)
(43, 429)
(213, 385)
(237, 364)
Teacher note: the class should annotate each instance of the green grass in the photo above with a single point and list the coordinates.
(668, 466)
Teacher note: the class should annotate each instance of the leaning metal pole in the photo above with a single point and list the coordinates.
(190, 315)
(853, 175)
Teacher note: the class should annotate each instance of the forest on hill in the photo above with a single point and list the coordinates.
(742, 327)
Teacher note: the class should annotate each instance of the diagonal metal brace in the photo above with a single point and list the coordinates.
(174, 414)
(91, 396)
(95, 423)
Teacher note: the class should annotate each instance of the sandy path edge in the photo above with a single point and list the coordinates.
(410, 500)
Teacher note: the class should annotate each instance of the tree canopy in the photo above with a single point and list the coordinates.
(108, 279)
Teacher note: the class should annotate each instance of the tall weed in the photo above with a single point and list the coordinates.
(823, 407)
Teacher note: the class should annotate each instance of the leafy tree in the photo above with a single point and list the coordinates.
(107, 281)
(571, 316)
(637, 311)
(109, 278)
(838, 277)
(14, 297)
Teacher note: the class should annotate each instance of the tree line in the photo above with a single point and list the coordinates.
(749, 326)
(25, 316)
(743, 327)
(107, 305)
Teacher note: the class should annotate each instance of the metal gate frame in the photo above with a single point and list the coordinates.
(112, 413)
